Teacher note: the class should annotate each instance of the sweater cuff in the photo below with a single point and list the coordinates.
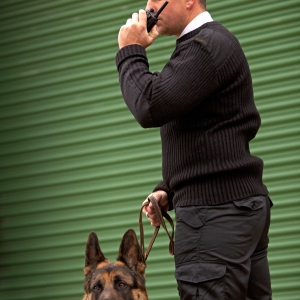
(129, 51)
(162, 187)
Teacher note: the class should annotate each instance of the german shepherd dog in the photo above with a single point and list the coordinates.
(120, 280)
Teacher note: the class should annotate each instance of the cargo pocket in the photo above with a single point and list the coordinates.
(189, 221)
(252, 204)
(198, 281)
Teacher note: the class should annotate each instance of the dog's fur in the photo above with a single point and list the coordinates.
(120, 280)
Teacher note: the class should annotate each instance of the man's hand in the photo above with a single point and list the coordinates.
(149, 211)
(135, 31)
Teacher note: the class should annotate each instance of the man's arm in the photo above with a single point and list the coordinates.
(155, 99)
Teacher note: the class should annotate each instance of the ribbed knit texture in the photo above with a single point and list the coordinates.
(203, 102)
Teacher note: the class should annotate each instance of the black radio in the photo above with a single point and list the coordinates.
(153, 18)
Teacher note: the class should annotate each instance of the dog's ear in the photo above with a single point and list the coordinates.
(131, 254)
(93, 253)
(93, 256)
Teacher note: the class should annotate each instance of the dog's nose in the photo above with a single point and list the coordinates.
(106, 296)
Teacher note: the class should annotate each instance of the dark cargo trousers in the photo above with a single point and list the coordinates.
(221, 251)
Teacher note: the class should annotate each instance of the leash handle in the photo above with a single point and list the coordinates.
(161, 214)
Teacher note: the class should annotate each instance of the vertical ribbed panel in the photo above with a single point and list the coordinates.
(73, 160)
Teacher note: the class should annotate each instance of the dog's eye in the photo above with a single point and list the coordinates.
(122, 284)
(97, 288)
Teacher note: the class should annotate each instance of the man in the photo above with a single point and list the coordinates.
(203, 103)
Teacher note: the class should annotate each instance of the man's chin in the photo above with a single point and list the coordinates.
(161, 30)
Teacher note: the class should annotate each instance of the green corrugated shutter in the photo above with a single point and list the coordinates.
(73, 159)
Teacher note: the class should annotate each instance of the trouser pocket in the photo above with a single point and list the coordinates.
(189, 223)
(200, 281)
(252, 204)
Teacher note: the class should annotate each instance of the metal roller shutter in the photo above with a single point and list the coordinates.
(73, 160)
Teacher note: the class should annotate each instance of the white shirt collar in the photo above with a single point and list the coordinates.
(198, 21)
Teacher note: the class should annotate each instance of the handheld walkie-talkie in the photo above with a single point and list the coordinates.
(153, 18)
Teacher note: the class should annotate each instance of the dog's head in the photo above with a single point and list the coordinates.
(120, 280)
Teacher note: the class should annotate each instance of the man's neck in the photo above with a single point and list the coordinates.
(197, 21)
(191, 15)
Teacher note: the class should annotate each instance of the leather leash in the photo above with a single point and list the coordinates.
(161, 214)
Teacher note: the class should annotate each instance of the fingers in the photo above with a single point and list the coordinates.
(135, 31)
(149, 210)
(150, 213)
(153, 219)
(142, 16)
(135, 17)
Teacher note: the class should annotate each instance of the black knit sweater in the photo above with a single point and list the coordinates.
(203, 103)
